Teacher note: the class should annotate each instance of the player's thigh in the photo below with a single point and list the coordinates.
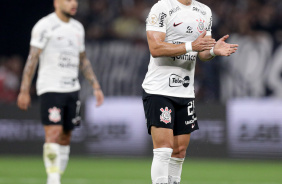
(180, 145)
(162, 137)
(71, 112)
(185, 118)
(53, 133)
(159, 112)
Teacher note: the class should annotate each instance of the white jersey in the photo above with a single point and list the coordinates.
(61, 45)
(174, 76)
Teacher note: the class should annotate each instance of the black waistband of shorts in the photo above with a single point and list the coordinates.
(178, 100)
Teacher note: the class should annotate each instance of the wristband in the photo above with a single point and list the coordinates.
(212, 52)
(188, 46)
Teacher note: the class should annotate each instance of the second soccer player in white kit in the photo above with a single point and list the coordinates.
(57, 44)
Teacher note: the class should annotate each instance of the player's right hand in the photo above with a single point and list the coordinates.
(23, 100)
(203, 43)
(99, 97)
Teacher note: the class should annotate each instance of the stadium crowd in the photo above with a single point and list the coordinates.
(125, 19)
(107, 20)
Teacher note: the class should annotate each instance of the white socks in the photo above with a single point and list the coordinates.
(64, 156)
(166, 169)
(56, 158)
(174, 170)
(159, 169)
(51, 157)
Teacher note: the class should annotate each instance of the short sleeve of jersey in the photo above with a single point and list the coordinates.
(209, 22)
(82, 41)
(39, 34)
(157, 18)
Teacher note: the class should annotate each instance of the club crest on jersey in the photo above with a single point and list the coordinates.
(166, 115)
(201, 25)
(54, 114)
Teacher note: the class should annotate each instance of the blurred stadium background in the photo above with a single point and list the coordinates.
(239, 103)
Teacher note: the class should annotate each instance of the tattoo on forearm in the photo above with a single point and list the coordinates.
(86, 68)
(30, 68)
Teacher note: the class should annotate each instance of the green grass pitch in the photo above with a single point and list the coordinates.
(88, 170)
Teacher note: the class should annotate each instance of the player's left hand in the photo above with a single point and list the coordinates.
(98, 93)
(222, 48)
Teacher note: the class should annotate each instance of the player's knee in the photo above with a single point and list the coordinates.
(164, 144)
(179, 152)
(65, 141)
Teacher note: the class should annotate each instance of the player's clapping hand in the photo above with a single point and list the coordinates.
(222, 48)
(23, 101)
(98, 93)
(203, 43)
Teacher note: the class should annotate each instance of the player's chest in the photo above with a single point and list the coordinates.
(188, 24)
(65, 38)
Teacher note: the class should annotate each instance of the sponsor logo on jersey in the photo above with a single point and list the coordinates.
(201, 25)
(54, 114)
(189, 30)
(66, 60)
(162, 16)
(166, 115)
(64, 82)
(177, 81)
(186, 57)
(177, 42)
(70, 43)
(173, 10)
(66, 63)
(199, 10)
(177, 24)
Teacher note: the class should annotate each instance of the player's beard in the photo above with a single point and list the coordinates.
(67, 14)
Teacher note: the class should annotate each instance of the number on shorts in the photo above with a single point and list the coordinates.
(190, 108)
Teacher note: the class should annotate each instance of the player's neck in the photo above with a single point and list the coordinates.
(185, 2)
(62, 17)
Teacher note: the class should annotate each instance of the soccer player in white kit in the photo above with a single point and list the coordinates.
(58, 42)
(177, 31)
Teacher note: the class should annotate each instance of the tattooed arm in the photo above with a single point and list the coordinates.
(86, 68)
(28, 73)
